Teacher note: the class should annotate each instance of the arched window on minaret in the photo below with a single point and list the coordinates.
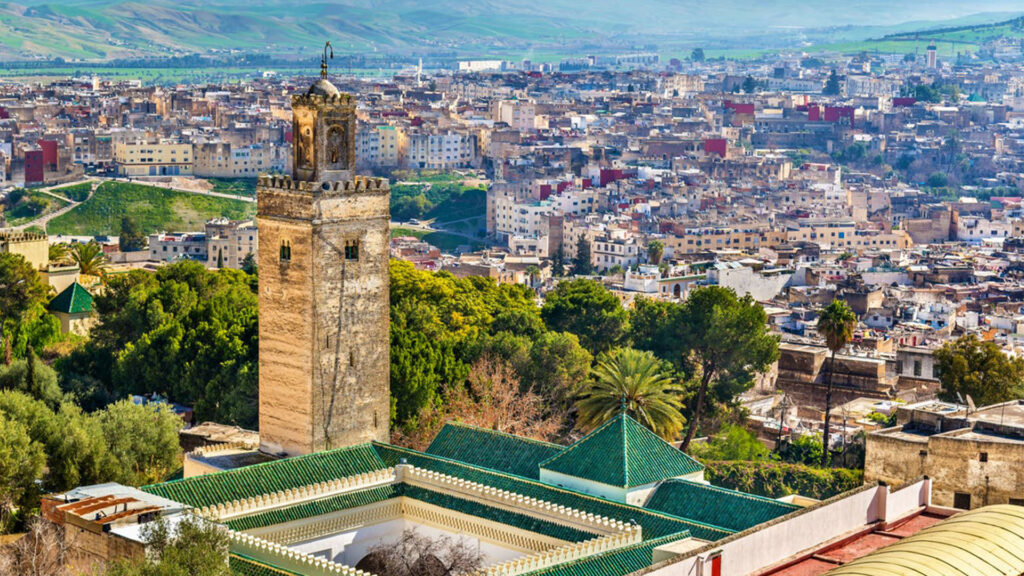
(336, 145)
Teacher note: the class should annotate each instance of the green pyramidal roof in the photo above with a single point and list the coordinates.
(75, 299)
(492, 449)
(622, 453)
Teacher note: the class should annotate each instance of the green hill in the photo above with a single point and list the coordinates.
(105, 29)
(154, 209)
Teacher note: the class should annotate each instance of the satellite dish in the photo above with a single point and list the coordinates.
(970, 404)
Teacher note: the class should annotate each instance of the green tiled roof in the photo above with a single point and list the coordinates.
(269, 477)
(379, 494)
(623, 453)
(614, 563)
(492, 449)
(720, 506)
(315, 508)
(655, 524)
(75, 299)
(522, 521)
(242, 565)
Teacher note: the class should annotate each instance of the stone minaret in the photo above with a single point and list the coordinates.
(323, 288)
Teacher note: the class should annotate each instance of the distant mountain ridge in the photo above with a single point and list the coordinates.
(105, 29)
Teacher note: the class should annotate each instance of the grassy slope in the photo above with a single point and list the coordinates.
(21, 214)
(154, 209)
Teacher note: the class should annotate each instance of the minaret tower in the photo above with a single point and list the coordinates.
(323, 287)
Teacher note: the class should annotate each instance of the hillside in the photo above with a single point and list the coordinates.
(106, 29)
(153, 209)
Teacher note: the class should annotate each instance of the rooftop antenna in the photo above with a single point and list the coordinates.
(328, 54)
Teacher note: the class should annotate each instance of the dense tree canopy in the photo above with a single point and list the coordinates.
(980, 369)
(22, 294)
(184, 332)
(441, 325)
(123, 443)
(193, 547)
(588, 310)
(715, 336)
(21, 462)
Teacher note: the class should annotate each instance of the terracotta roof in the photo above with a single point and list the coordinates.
(986, 541)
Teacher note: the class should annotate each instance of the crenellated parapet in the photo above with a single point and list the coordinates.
(356, 184)
(284, 557)
(510, 500)
(297, 495)
(340, 99)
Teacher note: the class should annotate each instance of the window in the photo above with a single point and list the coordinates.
(352, 250)
(962, 500)
(286, 251)
(917, 367)
(983, 457)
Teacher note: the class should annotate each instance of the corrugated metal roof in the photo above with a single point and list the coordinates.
(987, 541)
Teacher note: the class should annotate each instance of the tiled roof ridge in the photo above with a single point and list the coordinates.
(654, 542)
(605, 501)
(259, 465)
(263, 566)
(505, 434)
(625, 447)
(568, 449)
(732, 492)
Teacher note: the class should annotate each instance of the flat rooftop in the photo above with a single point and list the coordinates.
(849, 549)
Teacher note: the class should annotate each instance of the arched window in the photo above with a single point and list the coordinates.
(286, 250)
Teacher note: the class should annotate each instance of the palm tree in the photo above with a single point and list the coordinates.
(58, 252)
(836, 323)
(90, 258)
(655, 250)
(533, 272)
(639, 382)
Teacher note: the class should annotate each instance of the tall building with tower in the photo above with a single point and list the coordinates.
(323, 296)
(933, 61)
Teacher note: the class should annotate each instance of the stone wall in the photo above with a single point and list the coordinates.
(324, 314)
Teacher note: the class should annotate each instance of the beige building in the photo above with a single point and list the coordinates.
(163, 158)
(518, 114)
(224, 160)
(35, 248)
(702, 239)
(829, 234)
(974, 459)
(442, 151)
(228, 242)
(381, 146)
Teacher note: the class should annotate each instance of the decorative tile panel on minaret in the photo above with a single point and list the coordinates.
(323, 288)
